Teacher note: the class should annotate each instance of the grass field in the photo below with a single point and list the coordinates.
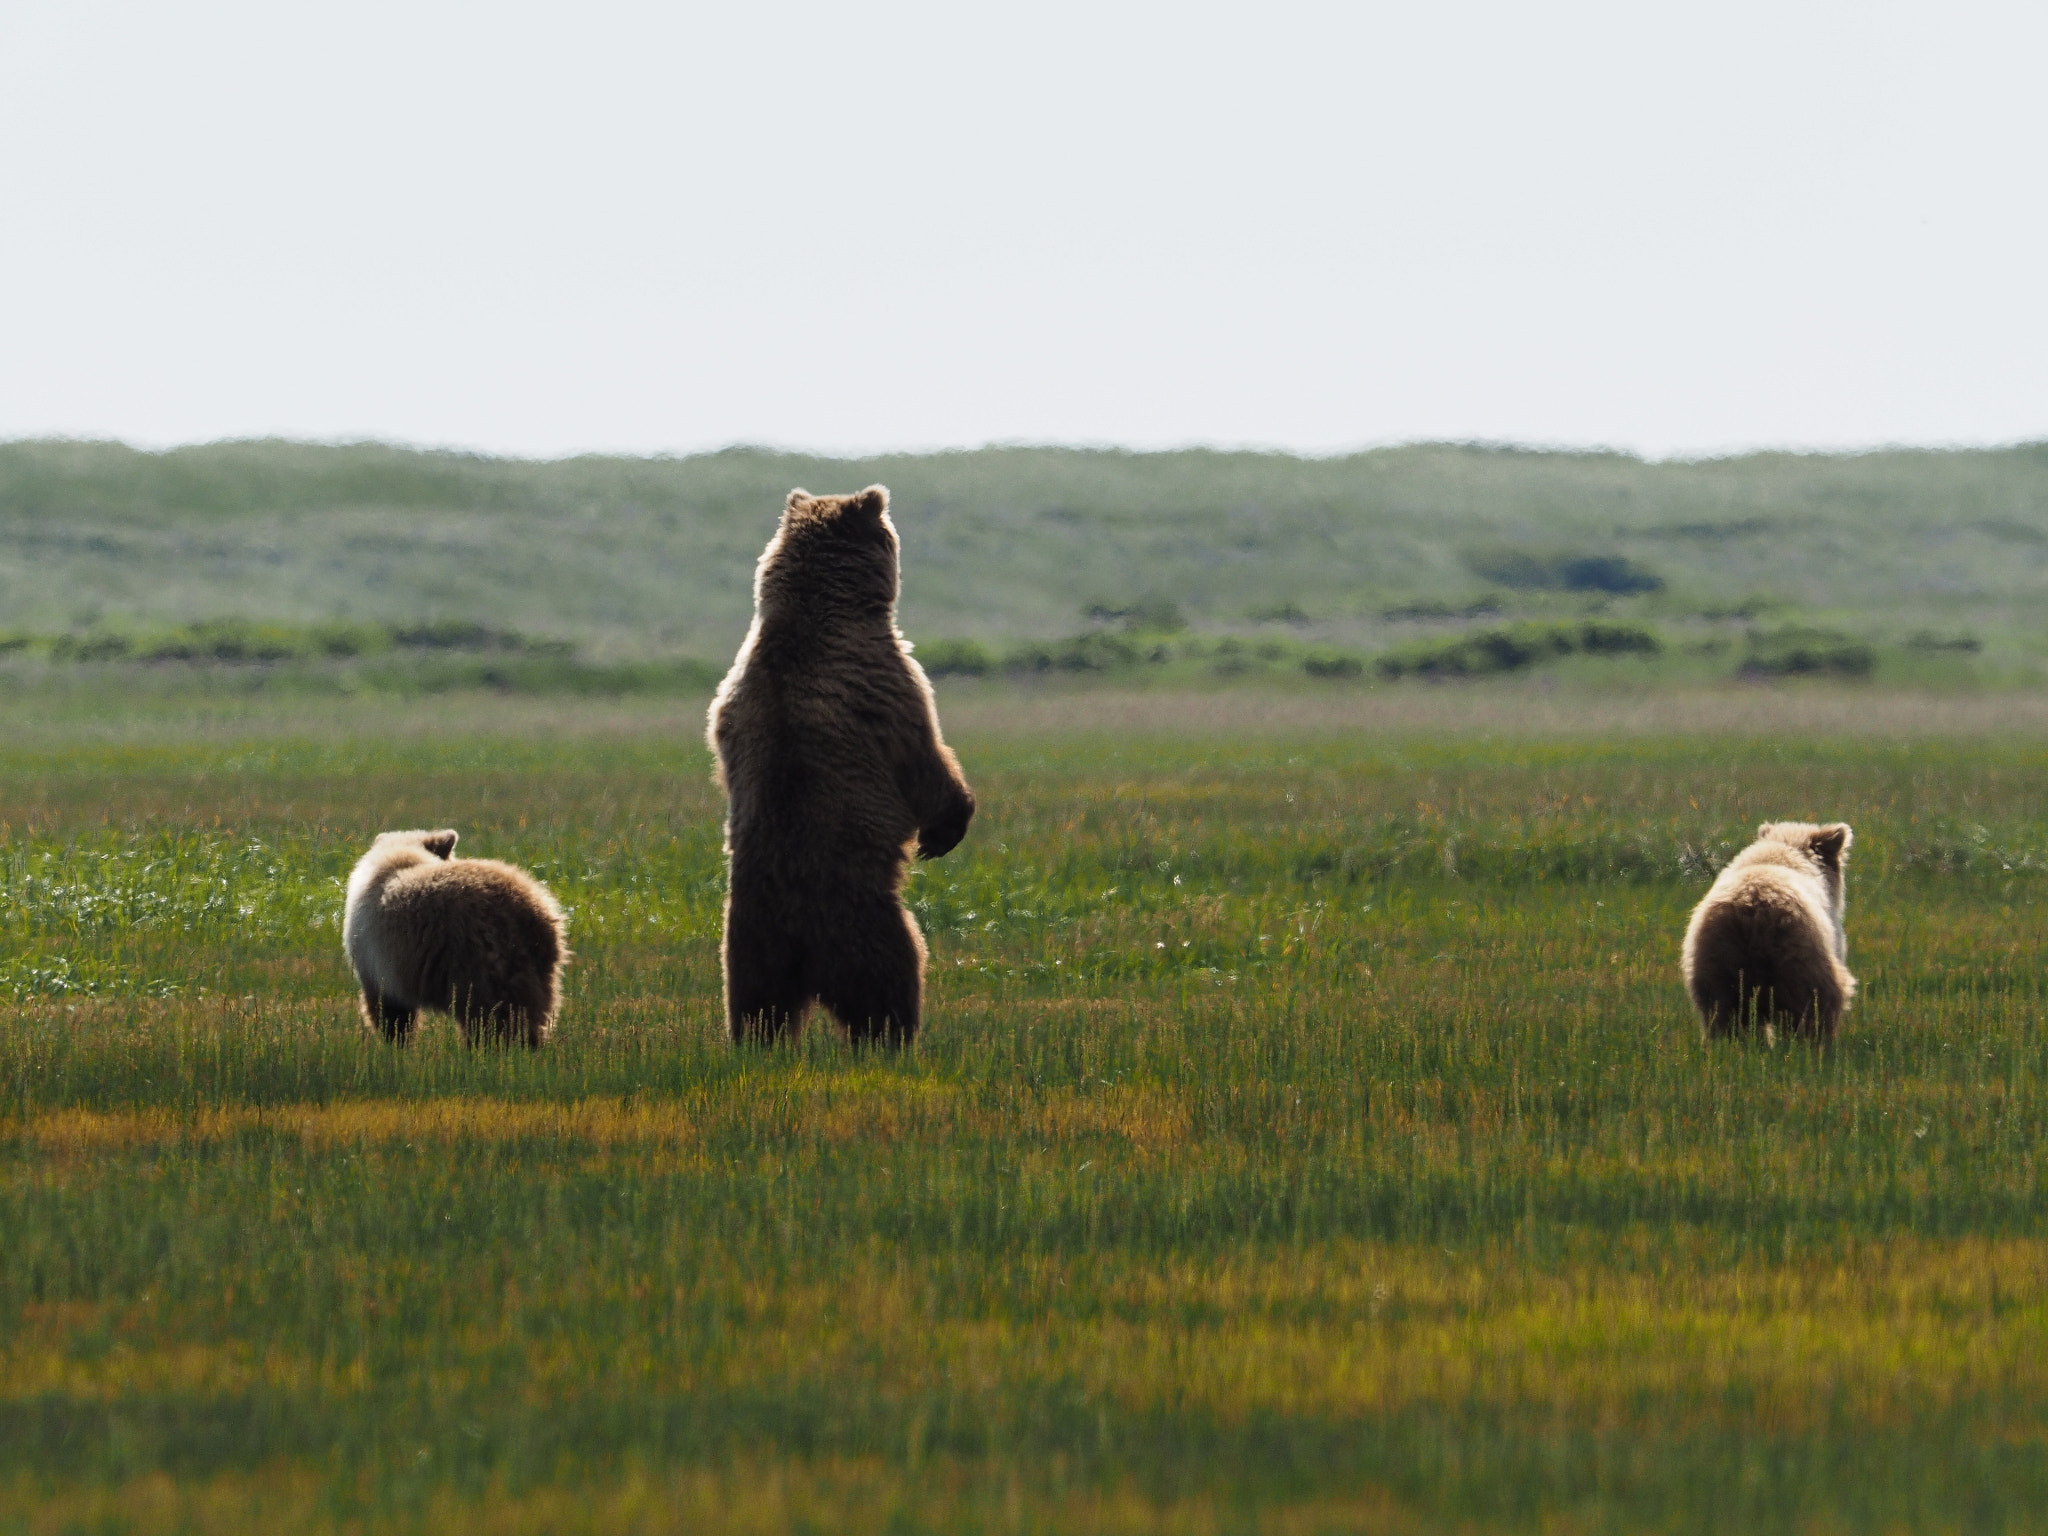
(1309, 1134)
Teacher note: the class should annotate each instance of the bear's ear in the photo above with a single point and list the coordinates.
(440, 844)
(1763, 829)
(870, 503)
(1830, 844)
(797, 498)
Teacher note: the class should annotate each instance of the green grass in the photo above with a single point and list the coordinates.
(1309, 1134)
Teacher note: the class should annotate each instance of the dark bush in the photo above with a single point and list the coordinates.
(1928, 642)
(1280, 613)
(1483, 608)
(468, 635)
(1094, 653)
(446, 635)
(1799, 652)
(1516, 646)
(92, 647)
(1570, 571)
(225, 640)
(1600, 638)
(442, 672)
(239, 641)
(345, 640)
(1328, 664)
(955, 658)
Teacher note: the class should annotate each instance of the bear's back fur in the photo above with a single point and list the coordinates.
(475, 938)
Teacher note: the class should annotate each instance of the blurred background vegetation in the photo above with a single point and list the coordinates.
(379, 566)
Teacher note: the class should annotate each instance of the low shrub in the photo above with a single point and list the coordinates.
(1483, 608)
(446, 673)
(1927, 642)
(1102, 651)
(239, 641)
(1488, 652)
(1331, 664)
(955, 658)
(1280, 613)
(1599, 637)
(1564, 571)
(227, 640)
(469, 635)
(96, 647)
(1803, 652)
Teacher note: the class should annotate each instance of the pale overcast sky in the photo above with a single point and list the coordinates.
(630, 226)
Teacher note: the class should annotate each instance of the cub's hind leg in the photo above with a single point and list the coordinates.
(387, 1016)
(530, 1018)
(518, 1011)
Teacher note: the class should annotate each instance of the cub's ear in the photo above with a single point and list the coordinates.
(1831, 844)
(797, 498)
(872, 502)
(1763, 828)
(440, 844)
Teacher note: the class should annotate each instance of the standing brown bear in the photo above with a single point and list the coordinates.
(829, 750)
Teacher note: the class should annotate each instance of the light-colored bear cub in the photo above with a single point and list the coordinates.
(1766, 945)
(474, 938)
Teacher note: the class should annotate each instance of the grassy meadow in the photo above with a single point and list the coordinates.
(1309, 1134)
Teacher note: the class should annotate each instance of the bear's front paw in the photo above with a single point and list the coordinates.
(943, 836)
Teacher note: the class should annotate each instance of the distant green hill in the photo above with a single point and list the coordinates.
(644, 557)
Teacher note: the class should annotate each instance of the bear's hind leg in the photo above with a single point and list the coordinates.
(1820, 1011)
(511, 1011)
(526, 1013)
(765, 995)
(471, 1007)
(876, 984)
(388, 1017)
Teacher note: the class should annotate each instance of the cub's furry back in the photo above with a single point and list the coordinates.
(829, 750)
(475, 938)
(1766, 947)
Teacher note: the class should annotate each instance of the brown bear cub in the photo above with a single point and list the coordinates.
(1766, 945)
(469, 937)
(829, 750)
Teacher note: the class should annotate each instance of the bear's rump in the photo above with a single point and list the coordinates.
(450, 929)
(1763, 938)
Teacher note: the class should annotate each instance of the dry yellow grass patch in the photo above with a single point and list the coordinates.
(1362, 1331)
(852, 1495)
(805, 1107)
(43, 1366)
(601, 1122)
(1148, 1119)
(1885, 1334)
(285, 1499)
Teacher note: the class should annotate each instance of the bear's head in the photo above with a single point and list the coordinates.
(1827, 846)
(440, 844)
(831, 554)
